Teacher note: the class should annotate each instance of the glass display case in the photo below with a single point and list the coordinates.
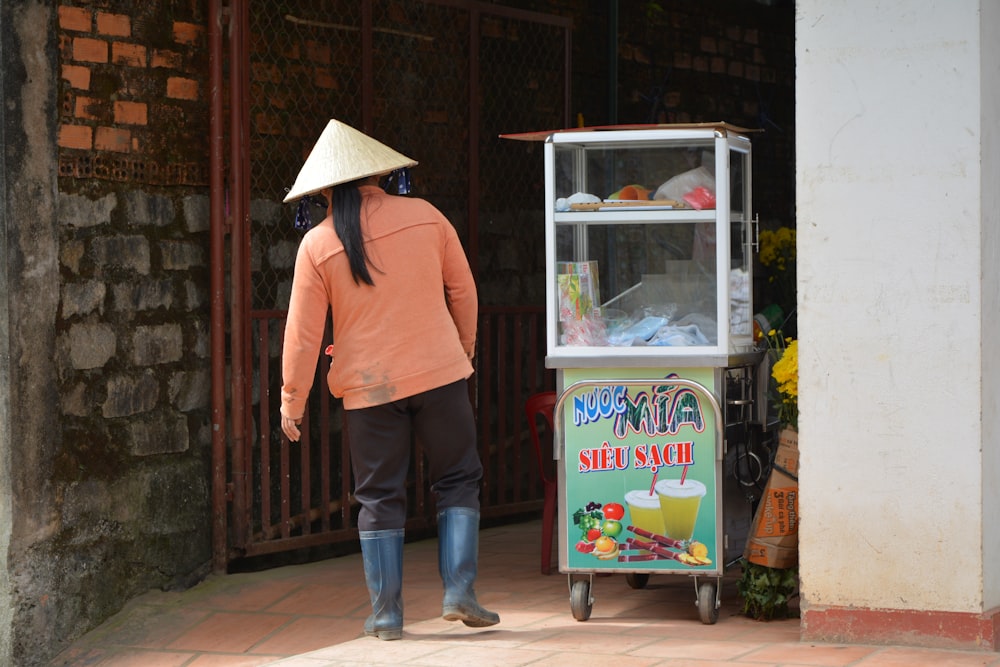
(649, 237)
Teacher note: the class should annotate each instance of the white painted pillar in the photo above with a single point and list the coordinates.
(898, 138)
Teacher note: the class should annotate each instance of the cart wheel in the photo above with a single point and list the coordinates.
(636, 580)
(708, 612)
(580, 601)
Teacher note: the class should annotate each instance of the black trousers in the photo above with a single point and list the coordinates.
(380, 441)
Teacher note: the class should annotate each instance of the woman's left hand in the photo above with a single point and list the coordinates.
(291, 428)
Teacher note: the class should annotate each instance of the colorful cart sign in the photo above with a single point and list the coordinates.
(641, 470)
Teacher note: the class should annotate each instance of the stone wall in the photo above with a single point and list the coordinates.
(105, 225)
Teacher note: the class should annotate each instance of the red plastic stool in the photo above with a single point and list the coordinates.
(543, 404)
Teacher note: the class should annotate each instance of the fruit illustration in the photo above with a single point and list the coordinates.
(606, 548)
(614, 511)
(600, 526)
(611, 528)
(604, 544)
(588, 521)
(698, 550)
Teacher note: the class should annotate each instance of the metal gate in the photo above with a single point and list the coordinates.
(438, 80)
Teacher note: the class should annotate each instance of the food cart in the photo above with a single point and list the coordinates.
(661, 409)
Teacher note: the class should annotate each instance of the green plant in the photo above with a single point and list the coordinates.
(766, 591)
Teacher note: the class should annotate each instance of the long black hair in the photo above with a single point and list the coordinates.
(346, 202)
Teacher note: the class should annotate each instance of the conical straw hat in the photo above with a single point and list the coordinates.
(344, 154)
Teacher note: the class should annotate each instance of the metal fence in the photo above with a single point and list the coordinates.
(439, 81)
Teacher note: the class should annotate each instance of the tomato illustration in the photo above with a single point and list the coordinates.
(614, 511)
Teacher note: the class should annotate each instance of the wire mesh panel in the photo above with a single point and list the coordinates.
(522, 86)
(437, 81)
(302, 71)
(420, 98)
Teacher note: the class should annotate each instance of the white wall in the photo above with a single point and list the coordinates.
(990, 119)
(890, 224)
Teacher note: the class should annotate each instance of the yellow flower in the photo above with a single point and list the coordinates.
(786, 370)
(786, 373)
(777, 248)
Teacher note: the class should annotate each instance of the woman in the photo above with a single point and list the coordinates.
(394, 275)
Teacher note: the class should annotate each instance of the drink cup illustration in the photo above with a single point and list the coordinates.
(645, 510)
(679, 504)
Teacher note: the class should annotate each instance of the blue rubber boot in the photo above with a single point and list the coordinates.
(458, 552)
(382, 551)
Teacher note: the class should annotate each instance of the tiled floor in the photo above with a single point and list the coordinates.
(311, 616)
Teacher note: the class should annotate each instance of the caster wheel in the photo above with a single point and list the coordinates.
(580, 601)
(636, 580)
(708, 612)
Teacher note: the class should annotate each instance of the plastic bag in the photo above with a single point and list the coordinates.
(687, 184)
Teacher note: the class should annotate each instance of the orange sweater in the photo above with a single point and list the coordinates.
(413, 331)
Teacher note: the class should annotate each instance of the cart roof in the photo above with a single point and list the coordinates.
(542, 135)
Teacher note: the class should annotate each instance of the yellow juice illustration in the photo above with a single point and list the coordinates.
(645, 511)
(679, 504)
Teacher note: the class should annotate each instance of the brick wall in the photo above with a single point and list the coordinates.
(132, 232)
(132, 93)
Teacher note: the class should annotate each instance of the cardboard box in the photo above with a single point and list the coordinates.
(774, 538)
(787, 456)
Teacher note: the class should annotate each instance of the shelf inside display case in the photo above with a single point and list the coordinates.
(621, 216)
(675, 308)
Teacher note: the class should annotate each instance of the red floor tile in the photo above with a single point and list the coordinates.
(312, 615)
(226, 632)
